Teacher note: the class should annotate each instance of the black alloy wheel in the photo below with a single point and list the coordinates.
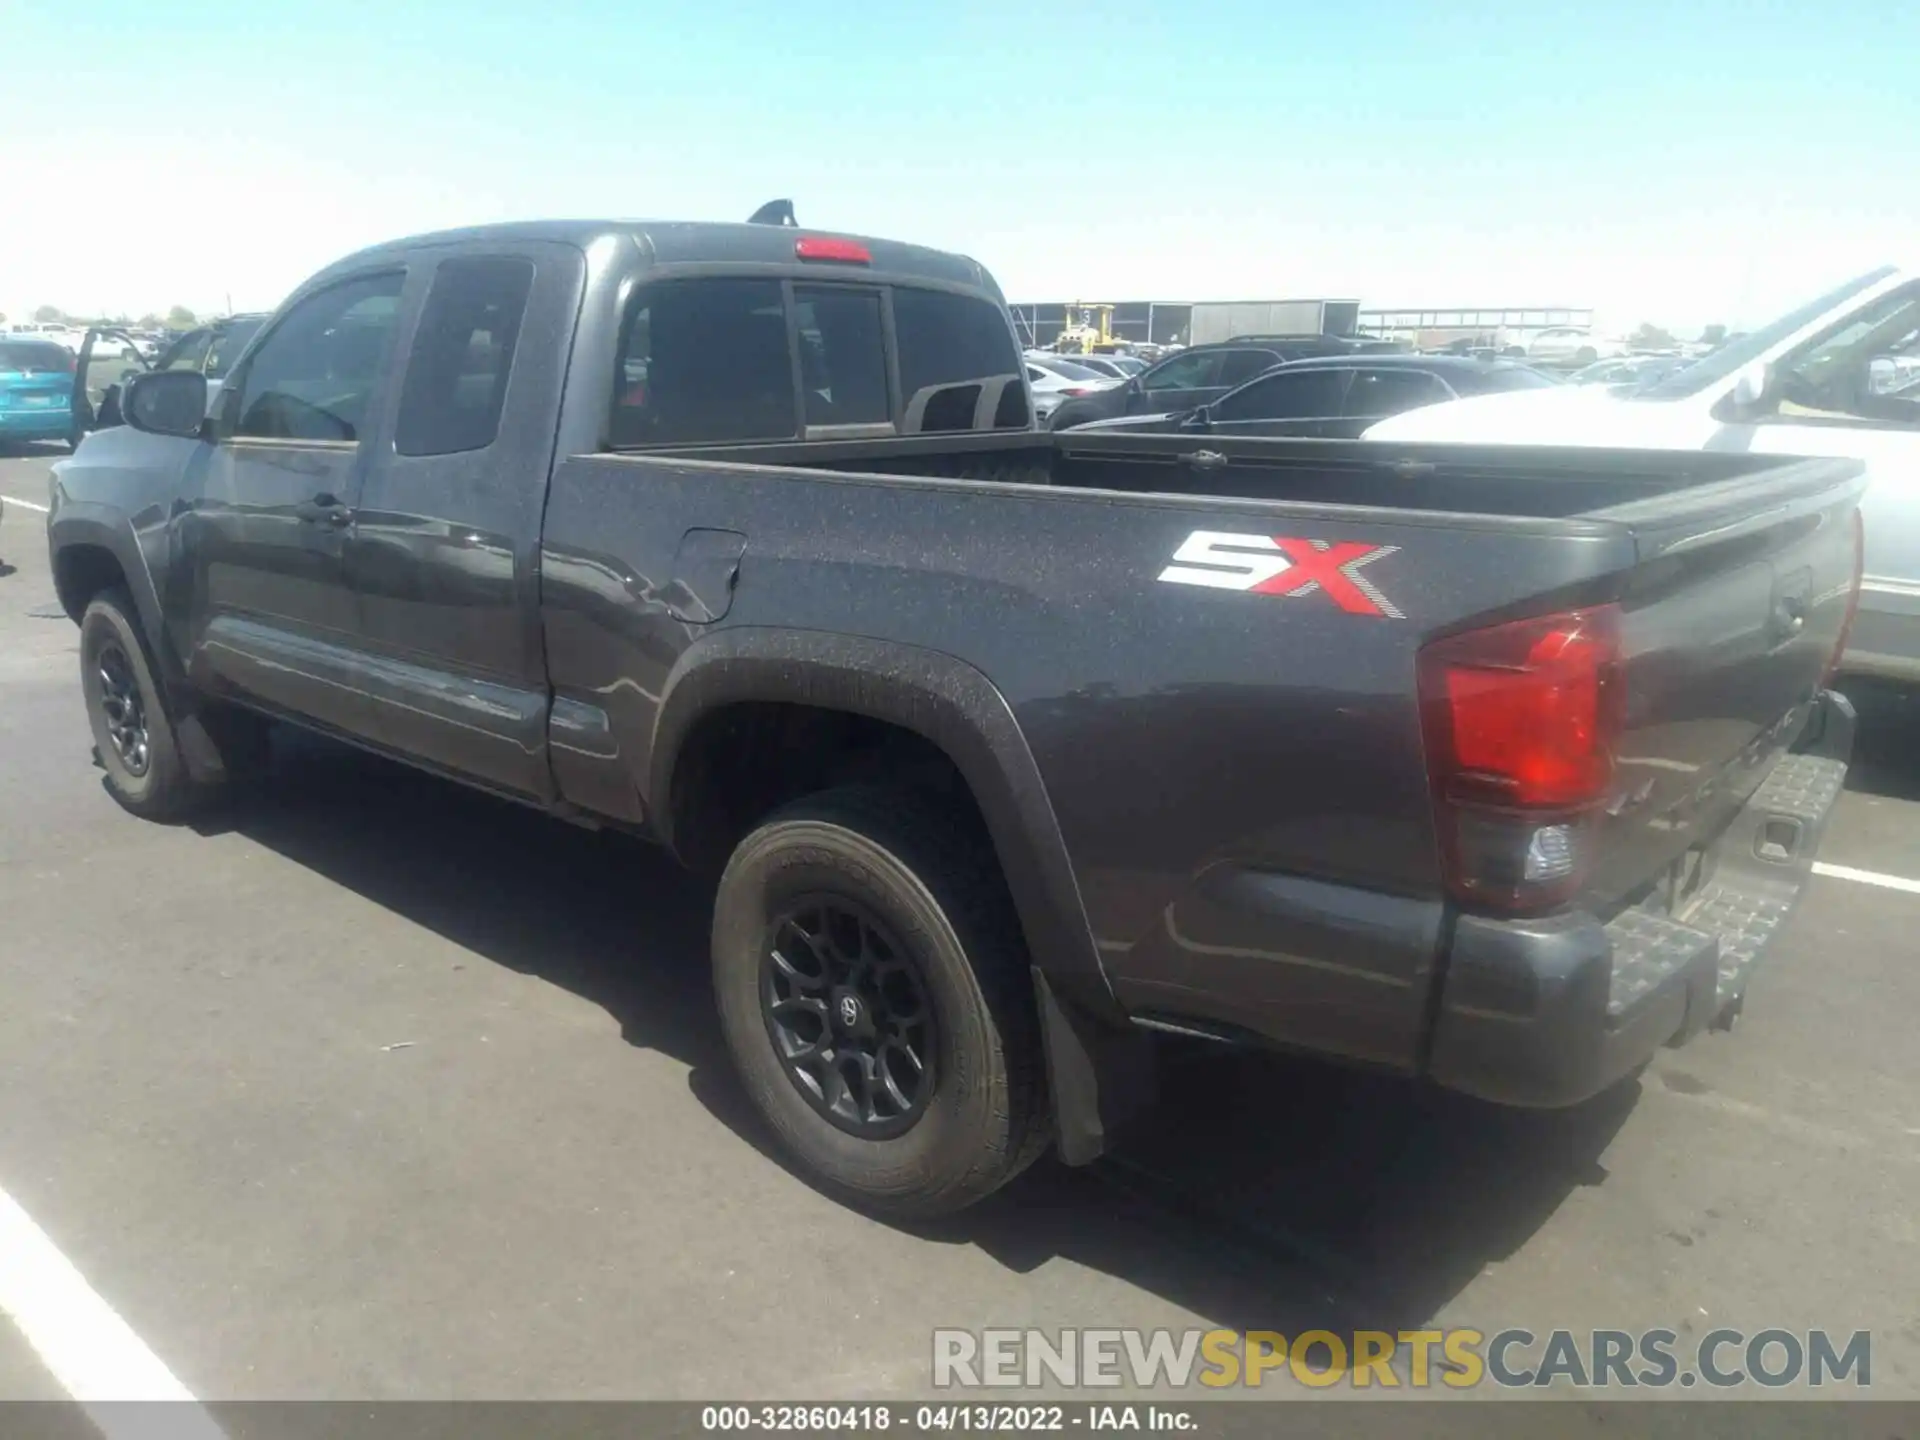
(123, 709)
(849, 1016)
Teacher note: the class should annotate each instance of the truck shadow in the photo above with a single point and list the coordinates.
(1886, 761)
(1262, 1194)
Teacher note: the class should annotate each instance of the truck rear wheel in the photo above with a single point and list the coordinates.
(873, 987)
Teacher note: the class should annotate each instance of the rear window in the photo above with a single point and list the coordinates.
(959, 369)
(1073, 370)
(704, 362)
(843, 356)
(711, 362)
(17, 356)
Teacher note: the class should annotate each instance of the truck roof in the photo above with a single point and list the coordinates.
(669, 242)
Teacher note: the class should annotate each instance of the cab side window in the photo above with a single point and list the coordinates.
(456, 385)
(313, 376)
(1867, 371)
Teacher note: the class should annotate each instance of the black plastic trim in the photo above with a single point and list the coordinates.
(938, 697)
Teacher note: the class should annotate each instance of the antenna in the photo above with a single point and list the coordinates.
(775, 212)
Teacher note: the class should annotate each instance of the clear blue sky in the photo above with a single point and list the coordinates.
(1680, 163)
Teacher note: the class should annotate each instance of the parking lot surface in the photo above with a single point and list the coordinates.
(376, 1088)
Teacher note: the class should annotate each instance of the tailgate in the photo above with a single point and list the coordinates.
(1730, 625)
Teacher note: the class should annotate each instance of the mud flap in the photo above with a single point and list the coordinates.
(1099, 1076)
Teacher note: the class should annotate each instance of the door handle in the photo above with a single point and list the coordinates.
(1205, 459)
(324, 509)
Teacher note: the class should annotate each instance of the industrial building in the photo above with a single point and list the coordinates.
(1185, 322)
(1477, 325)
(1188, 322)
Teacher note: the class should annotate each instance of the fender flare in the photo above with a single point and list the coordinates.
(1100, 1066)
(945, 701)
(79, 523)
(82, 523)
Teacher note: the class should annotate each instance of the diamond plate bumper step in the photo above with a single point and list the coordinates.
(1762, 863)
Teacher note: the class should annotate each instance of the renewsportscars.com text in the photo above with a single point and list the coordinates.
(1417, 1359)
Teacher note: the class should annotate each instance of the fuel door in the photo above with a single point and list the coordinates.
(706, 568)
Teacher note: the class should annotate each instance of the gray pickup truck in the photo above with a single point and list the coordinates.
(1013, 751)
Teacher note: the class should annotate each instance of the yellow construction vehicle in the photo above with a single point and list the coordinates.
(1089, 329)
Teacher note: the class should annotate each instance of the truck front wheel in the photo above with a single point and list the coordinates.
(873, 987)
(135, 734)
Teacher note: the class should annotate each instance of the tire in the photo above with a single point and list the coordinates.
(152, 781)
(937, 905)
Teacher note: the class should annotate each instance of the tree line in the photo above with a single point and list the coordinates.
(179, 317)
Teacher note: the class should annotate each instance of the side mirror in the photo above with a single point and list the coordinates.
(1755, 387)
(166, 402)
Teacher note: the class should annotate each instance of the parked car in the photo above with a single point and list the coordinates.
(1075, 370)
(36, 381)
(209, 350)
(1569, 345)
(1052, 388)
(57, 332)
(1807, 384)
(1107, 367)
(1336, 398)
(1003, 770)
(1205, 372)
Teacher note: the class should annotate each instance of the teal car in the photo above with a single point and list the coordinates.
(36, 390)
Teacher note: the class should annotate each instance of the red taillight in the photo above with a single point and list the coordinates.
(1520, 722)
(1076, 390)
(825, 247)
(1853, 598)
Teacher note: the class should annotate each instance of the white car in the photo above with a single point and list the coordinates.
(72, 338)
(53, 330)
(1113, 367)
(1054, 381)
(1838, 376)
(1570, 345)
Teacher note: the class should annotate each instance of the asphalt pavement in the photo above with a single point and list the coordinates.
(377, 1088)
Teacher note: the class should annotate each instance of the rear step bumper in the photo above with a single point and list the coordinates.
(1548, 1012)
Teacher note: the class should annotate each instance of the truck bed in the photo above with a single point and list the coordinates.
(1541, 482)
(1237, 777)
